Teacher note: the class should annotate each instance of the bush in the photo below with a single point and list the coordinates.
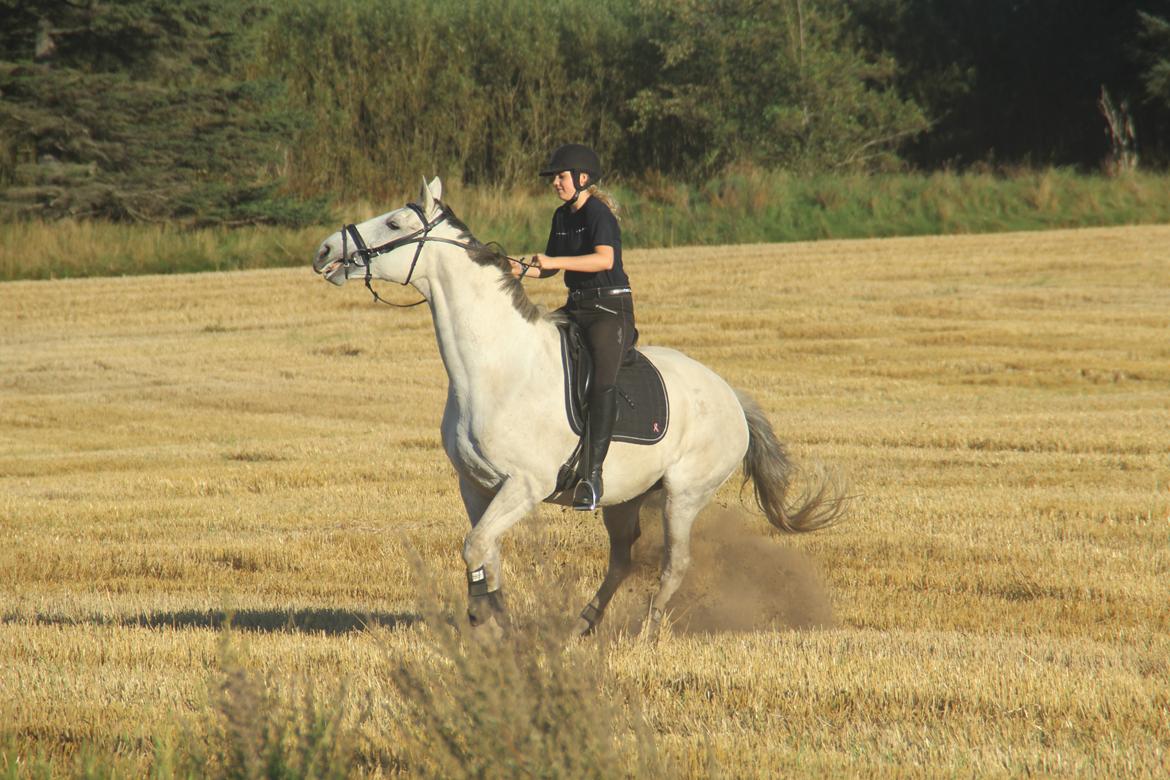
(531, 704)
(138, 111)
(483, 92)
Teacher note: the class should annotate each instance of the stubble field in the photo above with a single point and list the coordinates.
(177, 449)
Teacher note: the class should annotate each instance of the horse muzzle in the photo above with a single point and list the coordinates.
(332, 271)
(332, 268)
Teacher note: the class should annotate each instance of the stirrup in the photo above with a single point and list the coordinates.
(586, 495)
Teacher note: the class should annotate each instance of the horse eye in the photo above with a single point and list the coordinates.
(392, 224)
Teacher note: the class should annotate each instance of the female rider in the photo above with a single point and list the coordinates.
(586, 243)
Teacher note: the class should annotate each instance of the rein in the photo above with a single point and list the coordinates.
(419, 237)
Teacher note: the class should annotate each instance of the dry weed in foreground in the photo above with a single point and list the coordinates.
(532, 702)
(276, 727)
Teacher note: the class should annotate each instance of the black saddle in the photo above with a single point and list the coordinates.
(643, 408)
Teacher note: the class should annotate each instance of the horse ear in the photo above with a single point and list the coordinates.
(430, 194)
(425, 198)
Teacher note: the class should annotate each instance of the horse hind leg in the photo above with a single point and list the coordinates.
(677, 518)
(621, 522)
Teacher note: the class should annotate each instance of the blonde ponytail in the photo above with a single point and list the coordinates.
(606, 198)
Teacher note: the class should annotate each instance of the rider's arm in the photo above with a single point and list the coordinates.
(545, 266)
(600, 260)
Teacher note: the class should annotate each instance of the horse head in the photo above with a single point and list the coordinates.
(387, 247)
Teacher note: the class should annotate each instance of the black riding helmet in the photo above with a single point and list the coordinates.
(575, 158)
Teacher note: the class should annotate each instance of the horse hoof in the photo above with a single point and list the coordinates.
(652, 628)
(487, 632)
(487, 614)
(589, 618)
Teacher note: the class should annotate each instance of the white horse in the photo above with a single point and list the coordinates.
(507, 447)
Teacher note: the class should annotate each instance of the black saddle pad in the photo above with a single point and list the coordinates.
(643, 408)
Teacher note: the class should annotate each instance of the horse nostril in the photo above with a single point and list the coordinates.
(325, 250)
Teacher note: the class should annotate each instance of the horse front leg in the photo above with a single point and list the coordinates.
(621, 522)
(491, 516)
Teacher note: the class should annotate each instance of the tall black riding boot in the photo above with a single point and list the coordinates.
(602, 410)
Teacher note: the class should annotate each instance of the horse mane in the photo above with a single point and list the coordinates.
(492, 254)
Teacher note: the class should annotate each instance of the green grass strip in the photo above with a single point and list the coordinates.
(751, 206)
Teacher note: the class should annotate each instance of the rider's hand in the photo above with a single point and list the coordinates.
(533, 265)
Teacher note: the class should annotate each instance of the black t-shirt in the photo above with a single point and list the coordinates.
(576, 233)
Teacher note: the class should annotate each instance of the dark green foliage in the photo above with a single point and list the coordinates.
(474, 91)
(483, 91)
(1154, 55)
(257, 111)
(137, 110)
(1017, 81)
(775, 84)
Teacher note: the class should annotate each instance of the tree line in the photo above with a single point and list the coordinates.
(234, 111)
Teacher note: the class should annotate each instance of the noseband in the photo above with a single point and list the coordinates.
(420, 237)
(367, 254)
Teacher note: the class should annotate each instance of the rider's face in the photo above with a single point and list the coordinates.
(563, 185)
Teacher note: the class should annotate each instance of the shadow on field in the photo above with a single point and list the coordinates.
(332, 622)
(306, 621)
(743, 577)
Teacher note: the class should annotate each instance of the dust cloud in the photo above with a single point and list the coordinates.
(743, 577)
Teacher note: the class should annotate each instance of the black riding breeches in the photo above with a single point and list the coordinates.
(607, 324)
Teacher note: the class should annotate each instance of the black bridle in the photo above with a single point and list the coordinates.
(419, 237)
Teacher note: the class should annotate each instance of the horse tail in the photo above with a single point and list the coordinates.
(767, 466)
